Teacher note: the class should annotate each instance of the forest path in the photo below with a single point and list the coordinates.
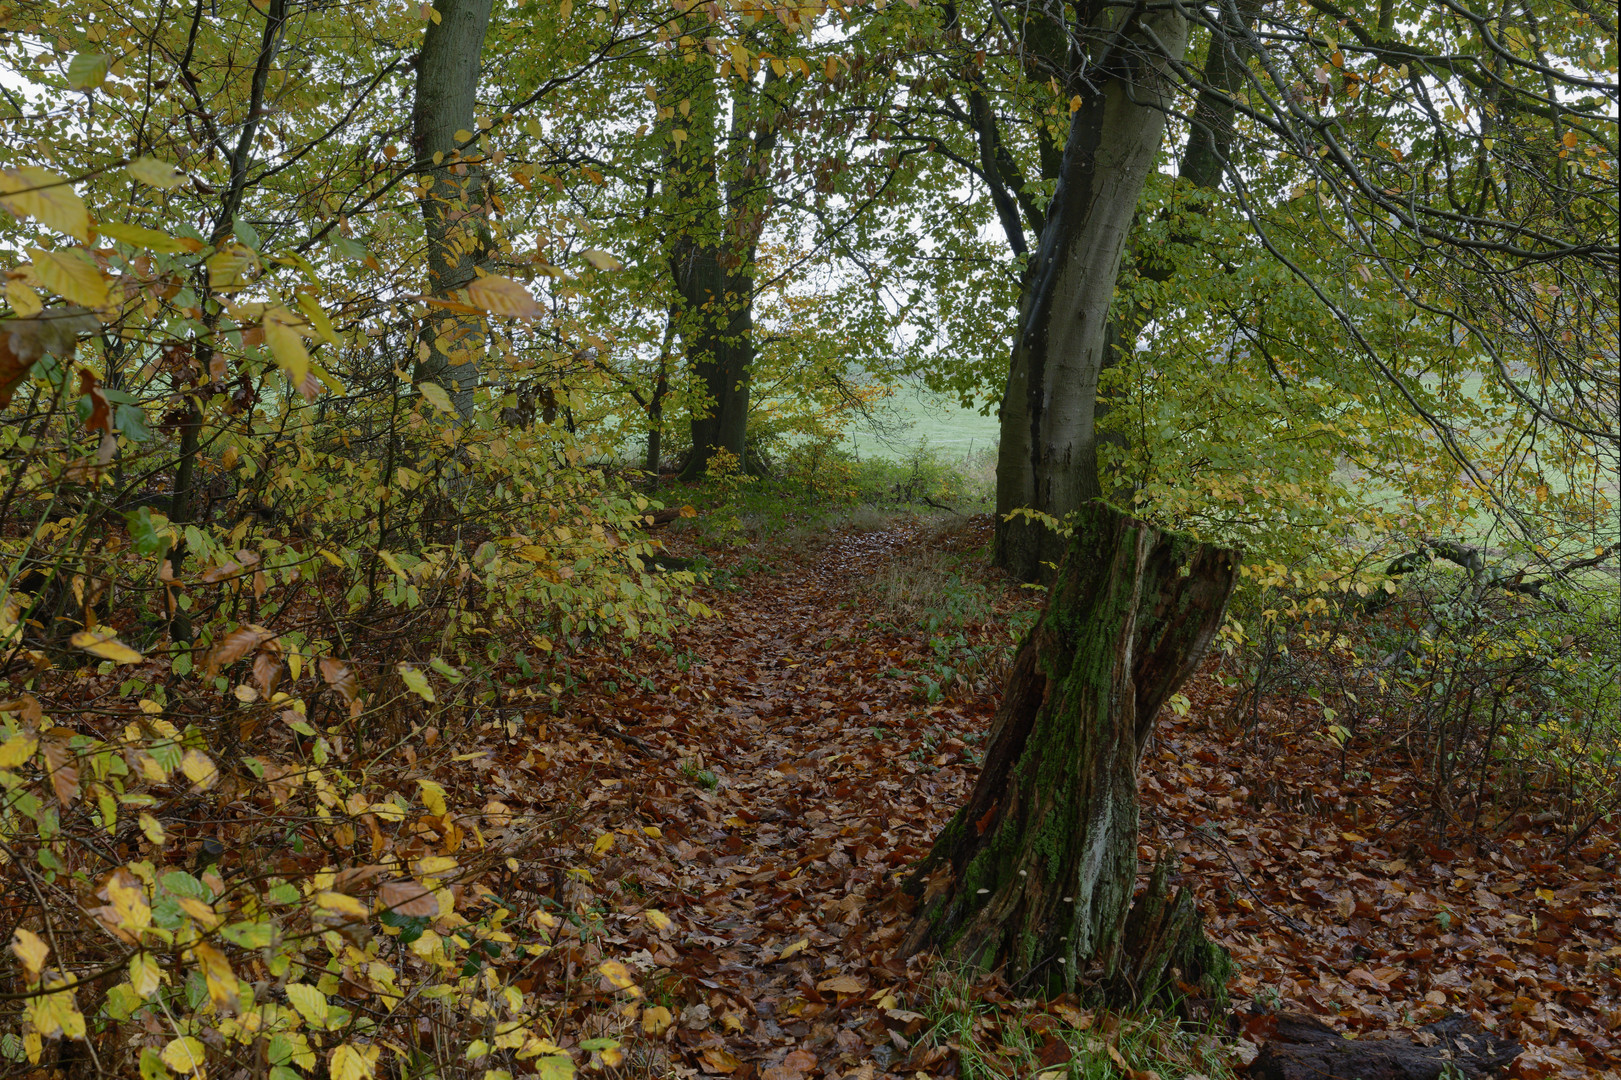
(803, 770)
(786, 768)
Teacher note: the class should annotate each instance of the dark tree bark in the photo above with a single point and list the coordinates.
(1304, 1048)
(718, 196)
(1035, 874)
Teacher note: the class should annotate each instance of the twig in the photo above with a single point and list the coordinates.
(1205, 831)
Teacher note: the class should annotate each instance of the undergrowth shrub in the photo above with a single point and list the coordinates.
(235, 652)
(1495, 697)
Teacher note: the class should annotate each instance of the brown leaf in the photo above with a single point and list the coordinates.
(237, 644)
(716, 1060)
(340, 677)
(64, 767)
(408, 898)
(267, 669)
(842, 984)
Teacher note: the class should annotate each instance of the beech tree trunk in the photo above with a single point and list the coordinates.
(718, 199)
(1048, 454)
(1049, 410)
(453, 209)
(1035, 874)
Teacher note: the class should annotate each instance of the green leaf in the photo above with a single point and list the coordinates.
(149, 531)
(555, 1068)
(152, 1067)
(416, 682)
(131, 420)
(87, 71)
(249, 935)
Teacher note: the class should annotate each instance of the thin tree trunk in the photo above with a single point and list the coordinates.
(453, 208)
(1035, 874)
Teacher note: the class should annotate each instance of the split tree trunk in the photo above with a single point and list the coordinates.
(1035, 874)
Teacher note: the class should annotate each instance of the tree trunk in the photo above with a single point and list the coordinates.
(1024, 546)
(1048, 455)
(453, 209)
(720, 202)
(1035, 874)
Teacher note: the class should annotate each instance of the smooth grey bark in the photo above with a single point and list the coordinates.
(1026, 547)
(1048, 455)
(453, 209)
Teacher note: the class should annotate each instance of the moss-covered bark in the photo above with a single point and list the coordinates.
(1035, 874)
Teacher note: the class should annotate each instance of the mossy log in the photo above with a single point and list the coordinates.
(1035, 874)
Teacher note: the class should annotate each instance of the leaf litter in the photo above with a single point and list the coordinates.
(731, 824)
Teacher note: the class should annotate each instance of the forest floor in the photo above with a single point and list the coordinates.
(745, 822)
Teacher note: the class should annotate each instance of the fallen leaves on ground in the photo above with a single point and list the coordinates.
(769, 783)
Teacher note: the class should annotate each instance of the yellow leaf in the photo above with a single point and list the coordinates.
(415, 680)
(71, 275)
(342, 903)
(199, 769)
(218, 975)
(184, 1055)
(657, 1020)
(228, 268)
(24, 301)
(144, 975)
(310, 1003)
(129, 902)
(617, 973)
(153, 829)
(30, 950)
(318, 320)
(201, 912)
(104, 644)
(600, 259)
(16, 750)
(351, 1062)
(433, 797)
(1571, 139)
(436, 396)
(604, 842)
(657, 919)
(140, 236)
(502, 296)
(286, 343)
(154, 173)
(797, 947)
(47, 197)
